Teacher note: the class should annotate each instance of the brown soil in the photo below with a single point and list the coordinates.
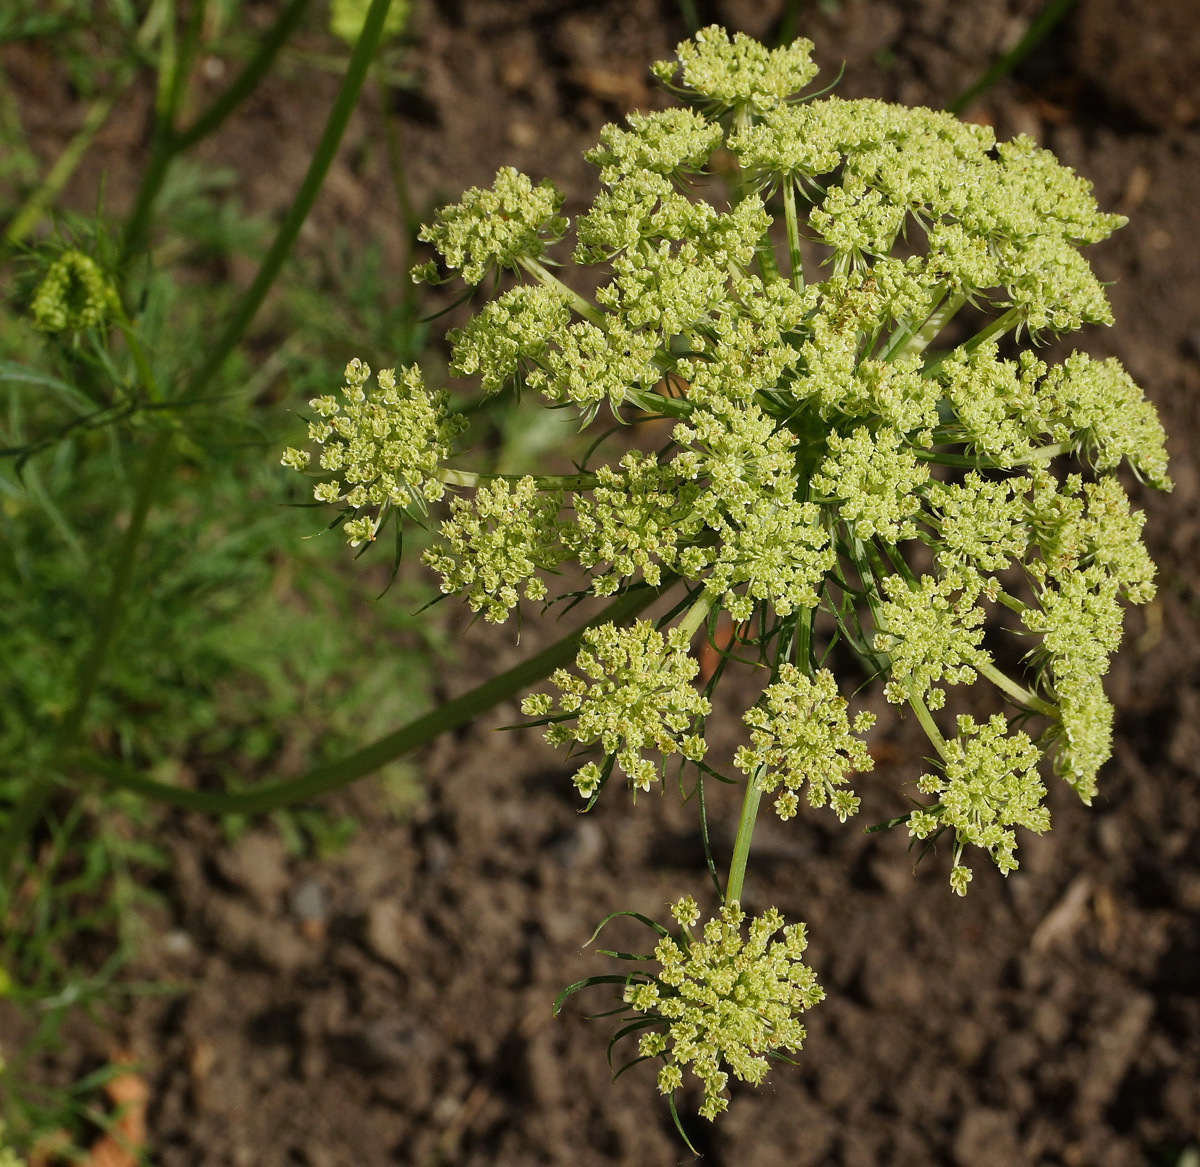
(393, 1005)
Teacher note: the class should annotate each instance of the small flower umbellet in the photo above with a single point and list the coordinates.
(637, 695)
(837, 473)
(724, 1001)
(801, 739)
(386, 445)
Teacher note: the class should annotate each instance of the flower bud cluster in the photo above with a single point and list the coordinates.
(637, 696)
(74, 294)
(726, 999)
(800, 737)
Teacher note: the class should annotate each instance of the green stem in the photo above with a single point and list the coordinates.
(998, 327)
(182, 57)
(137, 227)
(546, 277)
(697, 614)
(1018, 693)
(140, 362)
(793, 235)
(928, 724)
(941, 315)
(753, 796)
(334, 775)
(162, 144)
(327, 147)
(804, 641)
(982, 462)
(741, 844)
(247, 80)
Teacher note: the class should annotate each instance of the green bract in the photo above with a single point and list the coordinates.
(845, 463)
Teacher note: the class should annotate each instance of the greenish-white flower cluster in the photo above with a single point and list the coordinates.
(497, 227)
(735, 72)
(989, 783)
(386, 444)
(801, 738)
(831, 471)
(637, 696)
(74, 293)
(493, 546)
(726, 999)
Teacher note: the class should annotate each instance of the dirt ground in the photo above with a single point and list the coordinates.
(393, 1005)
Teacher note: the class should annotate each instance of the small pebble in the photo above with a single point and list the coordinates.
(309, 900)
(177, 942)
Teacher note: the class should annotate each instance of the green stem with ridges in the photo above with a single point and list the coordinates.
(741, 844)
(998, 327)
(947, 308)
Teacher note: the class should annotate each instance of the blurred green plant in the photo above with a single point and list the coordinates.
(156, 612)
